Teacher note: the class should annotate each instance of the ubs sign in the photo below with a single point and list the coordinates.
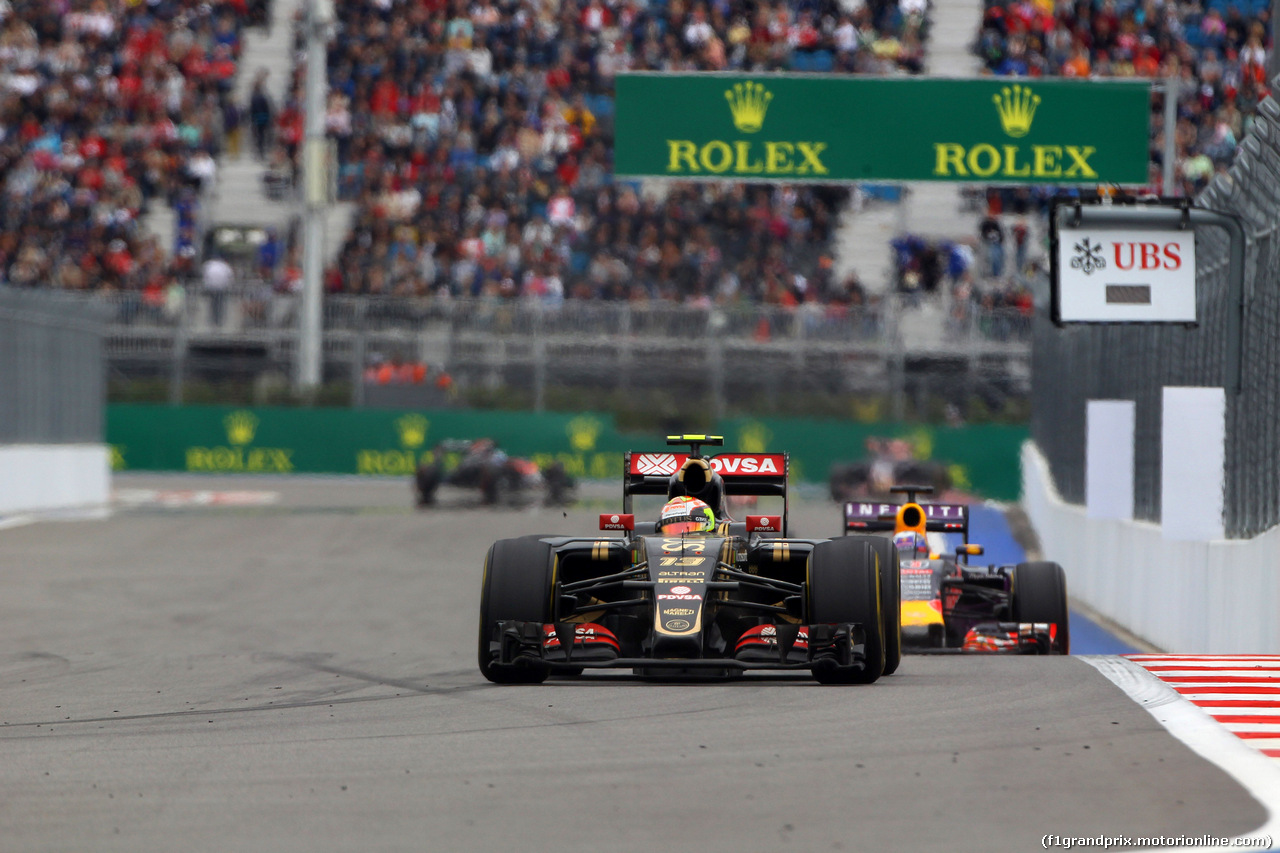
(1131, 275)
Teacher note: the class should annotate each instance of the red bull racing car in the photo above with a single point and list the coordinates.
(948, 604)
(717, 600)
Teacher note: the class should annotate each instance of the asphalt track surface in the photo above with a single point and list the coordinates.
(302, 677)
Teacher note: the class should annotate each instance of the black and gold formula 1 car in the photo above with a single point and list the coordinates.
(950, 605)
(745, 596)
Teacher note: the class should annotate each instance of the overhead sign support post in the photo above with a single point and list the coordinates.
(1134, 262)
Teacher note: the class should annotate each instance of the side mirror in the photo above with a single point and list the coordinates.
(970, 550)
(617, 521)
(764, 524)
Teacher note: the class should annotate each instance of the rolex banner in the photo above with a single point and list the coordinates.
(982, 459)
(825, 128)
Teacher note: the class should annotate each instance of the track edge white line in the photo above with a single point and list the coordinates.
(1257, 773)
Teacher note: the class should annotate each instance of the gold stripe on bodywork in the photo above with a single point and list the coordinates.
(781, 552)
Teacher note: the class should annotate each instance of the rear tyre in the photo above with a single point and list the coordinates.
(425, 482)
(1040, 595)
(518, 577)
(890, 600)
(844, 586)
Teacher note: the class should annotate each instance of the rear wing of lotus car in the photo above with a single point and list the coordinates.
(873, 517)
(762, 474)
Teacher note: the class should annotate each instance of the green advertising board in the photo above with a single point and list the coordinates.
(227, 440)
(828, 128)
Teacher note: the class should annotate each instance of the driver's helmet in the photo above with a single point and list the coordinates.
(686, 515)
(911, 543)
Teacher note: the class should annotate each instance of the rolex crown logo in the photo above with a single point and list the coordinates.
(1017, 107)
(582, 433)
(754, 438)
(241, 427)
(748, 103)
(412, 429)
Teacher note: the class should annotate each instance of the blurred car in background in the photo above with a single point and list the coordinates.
(888, 461)
(481, 465)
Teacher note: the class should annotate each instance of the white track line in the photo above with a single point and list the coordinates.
(1256, 773)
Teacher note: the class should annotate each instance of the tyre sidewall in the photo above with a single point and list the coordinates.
(518, 579)
(890, 600)
(844, 586)
(1040, 595)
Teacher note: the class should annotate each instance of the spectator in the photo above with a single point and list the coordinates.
(992, 234)
(261, 114)
(217, 276)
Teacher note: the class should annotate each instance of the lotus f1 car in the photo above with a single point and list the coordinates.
(948, 604)
(745, 596)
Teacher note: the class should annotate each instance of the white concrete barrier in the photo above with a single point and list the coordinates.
(1220, 597)
(53, 476)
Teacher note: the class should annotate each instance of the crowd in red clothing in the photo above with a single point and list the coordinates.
(107, 107)
(476, 137)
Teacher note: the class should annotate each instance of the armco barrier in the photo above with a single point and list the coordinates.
(1209, 598)
(53, 476)
(219, 439)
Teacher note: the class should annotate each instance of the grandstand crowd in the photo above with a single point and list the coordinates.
(475, 137)
(1216, 49)
(108, 107)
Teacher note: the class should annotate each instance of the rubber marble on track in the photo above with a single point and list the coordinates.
(302, 677)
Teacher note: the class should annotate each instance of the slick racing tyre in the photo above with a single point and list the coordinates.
(890, 600)
(844, 586)
(1040, 595)
(516, 587)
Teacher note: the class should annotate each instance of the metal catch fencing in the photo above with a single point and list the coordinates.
(876, 360)
(1131, 362)
(51, 369)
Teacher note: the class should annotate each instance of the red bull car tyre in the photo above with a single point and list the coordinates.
(1040, 595)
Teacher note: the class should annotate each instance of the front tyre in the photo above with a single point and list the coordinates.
(890, 600)
(1040, 595)
(518, 577)
(844, 586)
